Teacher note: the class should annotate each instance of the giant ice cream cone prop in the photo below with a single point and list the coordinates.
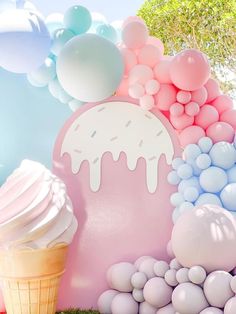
(36, 226)
(30, 279)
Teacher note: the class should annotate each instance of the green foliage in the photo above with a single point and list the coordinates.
(74, 311)
(207, 25)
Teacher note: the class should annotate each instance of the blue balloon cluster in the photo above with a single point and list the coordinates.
(205, 175)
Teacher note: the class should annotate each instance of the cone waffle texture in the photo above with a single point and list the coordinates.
(30, 279)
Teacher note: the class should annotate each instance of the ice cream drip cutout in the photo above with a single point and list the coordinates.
(118, 127)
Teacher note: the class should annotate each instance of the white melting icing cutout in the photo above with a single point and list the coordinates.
(117, 127)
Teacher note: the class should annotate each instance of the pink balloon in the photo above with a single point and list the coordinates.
(166, 96)
(105, 300)
(182, 122)
(199, 238)
(149, 55)
(135, 35)
(147, 102)
(132, 19)
(199, 96)
(130, 59)
(183, 97)
(140, 74)
(192, 109)
(156, 42)
(207, 116)
(152, 87)
(168, 309)
(190, 70)
(191, 135)
(176, 109)
(229, 116)
(124, 303)
(221, 131)
(230, 306)
(213, 90)
(162, 72)
(157, 292)
(123, 88)
(223, 103)
(136, 91)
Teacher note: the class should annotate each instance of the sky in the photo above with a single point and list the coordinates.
(112, 10)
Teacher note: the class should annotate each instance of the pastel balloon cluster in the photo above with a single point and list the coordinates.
(205, 175)
(151, 286)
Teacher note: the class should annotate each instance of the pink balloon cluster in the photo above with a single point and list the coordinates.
(179, 86)
(203, 236)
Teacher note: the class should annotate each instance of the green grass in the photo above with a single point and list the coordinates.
(78, 312)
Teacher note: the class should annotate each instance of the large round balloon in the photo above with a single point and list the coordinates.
(24, 40)
(90, 68)
(206, 236)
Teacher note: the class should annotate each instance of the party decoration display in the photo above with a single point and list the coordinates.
(102, 142)
(24, 39)
(90, 62)
(205, 175)
(78, 19)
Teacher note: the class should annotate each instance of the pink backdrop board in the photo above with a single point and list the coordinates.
(114, 158)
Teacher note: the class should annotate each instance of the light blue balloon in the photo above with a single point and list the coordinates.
(231, 174)
(30, 120)
(208, 198)
(176, 199)
(60, 38)
(75, 104)
(186, 206)
(90, 68)
(223, 155)
(78, 19)
(192, 182)
(177, 162)
(107, 31)
(24, 40)
(213, 179)
(192, 151)
(196, 170)
(228, 197)
(185, 171)
(203, 161)
(191, 194)
(44, 74)
(173, 178)
(58, 92)
(205, 144)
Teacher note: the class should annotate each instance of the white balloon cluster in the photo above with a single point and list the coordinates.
(150, 286)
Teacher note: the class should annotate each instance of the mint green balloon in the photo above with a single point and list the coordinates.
(60, 38)
(107, 31)
(78, 19)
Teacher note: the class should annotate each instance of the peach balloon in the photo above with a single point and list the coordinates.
(223, 103)
(130, 59)
(135, 35)
(162, 71)
(156, 42)
(221, 131)
(206, 117)
(166, 96)
(206, 236)
(190, 70)
(149, 55)
(229, 116)
(181, 122)
(213, 90)
(191, 135)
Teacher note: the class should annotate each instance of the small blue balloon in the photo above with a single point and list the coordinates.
(196, 170)
(176, 199)
(177, 162)
(191, 194)
(173, 178)
(192, 182)
(185, 207)
(58, 92)
(191, 151)
(107, 31)
(185, 171)
(231, 174)
(208, 198)
(203, 161)
(228, 197)
(75, 104)
(205, 144)
(97, 19)
(60, 38)
(223, 155)
(44, 74)
(213, 179)
(24, 40)
(78, 19)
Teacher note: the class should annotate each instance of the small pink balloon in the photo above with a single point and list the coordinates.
(147, 267)
(190, 70)
(223, 103)
(139, 261)
(184, 97)
(176, 109)
(168, 309)
(123, 88)
(230, 306)
(162, 72)
(213, 90)
(192, 109)
(199, 96)
(124, 303)
(157, 292)
(119, 276)
(221, 131)
(147, 102)
(156, 42)
(135, 35)
(140, 73)
(136, 91)
(152, 87)
(130, 59)
(207, 116)
(149, 55)
(191, 135)
(132, 19)
(146, 308)
(211, 310)
(165, 97)
(105, 300)
(229, 116)
(182, 122)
